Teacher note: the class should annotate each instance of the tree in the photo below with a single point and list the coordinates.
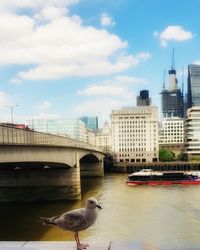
(165, 155)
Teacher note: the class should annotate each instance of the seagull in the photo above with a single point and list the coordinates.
(76, 220)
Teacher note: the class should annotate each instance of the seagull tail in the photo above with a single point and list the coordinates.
(46, 220)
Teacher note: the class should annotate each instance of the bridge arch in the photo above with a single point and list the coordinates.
(91, 165)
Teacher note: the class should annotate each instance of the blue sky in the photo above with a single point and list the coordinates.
(68, 58)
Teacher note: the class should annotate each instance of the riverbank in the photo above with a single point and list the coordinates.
(130, 167)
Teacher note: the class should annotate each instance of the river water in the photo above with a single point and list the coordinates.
(165, 216)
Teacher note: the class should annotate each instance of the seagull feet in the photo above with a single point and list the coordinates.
(82, 246)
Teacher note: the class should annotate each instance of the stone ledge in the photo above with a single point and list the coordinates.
(70, 245)
(49, 245)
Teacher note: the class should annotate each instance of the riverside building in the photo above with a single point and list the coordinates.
(171, 134)
(193, 97)
(103, 138)
(192, 134)
(72, 128)
(135, 134)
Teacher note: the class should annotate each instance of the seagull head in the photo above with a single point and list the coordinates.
(92, 203)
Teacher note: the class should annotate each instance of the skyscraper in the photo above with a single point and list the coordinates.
(143, 99)
(193, 97)
(172, 98)
(91, 122)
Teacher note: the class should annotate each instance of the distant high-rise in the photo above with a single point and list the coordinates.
(193, 97)
(172, 98)
(91, 122)
(143, 99)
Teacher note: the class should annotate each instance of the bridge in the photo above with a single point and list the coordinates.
(39, 166)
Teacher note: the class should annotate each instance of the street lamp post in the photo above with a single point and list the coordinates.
(11, 111)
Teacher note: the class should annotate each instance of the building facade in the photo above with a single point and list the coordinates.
(91, 122)
(103, 138)
(143, 99)
(135, 134)
(171, 135)
(90, 137)
(193, 96)
(192, 134)
(172, 98)
(72, 128)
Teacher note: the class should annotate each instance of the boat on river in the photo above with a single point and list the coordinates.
(150, 177)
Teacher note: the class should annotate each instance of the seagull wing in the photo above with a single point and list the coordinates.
(74, 220)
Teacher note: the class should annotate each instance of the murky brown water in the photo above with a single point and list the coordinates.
(166, 216)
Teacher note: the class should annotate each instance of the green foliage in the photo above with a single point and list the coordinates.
(195, 158)
(180, 157)
(165, 155)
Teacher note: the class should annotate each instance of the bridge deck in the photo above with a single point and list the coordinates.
(70, 245)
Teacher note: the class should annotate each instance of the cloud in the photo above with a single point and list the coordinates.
(12, 5)
(118, 86)
(87, 68)
(197, 62)
(106, 20)
(97, 106)
(15, 81)
(112, 93)
(53, 45)
(46, 105)
(173, 33)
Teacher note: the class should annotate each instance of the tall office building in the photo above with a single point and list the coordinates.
(192, 134)
(172, 98)
(171, 134)
(91, 122)
(143, 99)
(135, 134)
(193, 97)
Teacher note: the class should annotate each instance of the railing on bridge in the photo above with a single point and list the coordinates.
(16, 136)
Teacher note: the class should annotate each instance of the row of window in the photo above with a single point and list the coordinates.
(126, 149)
(138, 155)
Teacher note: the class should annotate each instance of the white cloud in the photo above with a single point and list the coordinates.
(108, 95)
(53, 45)
(46, 105)
(118, 86)
(90, 68)
(34, 4)
(197, 62)
(101, 105)
(106, 20)
(173, 33)
(15, 81)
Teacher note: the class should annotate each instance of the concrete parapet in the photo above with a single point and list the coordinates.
(70, 245)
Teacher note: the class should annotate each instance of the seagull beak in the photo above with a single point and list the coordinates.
(99, 206)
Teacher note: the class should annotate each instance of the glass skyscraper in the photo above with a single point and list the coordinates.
(91, 122)
(193, 98)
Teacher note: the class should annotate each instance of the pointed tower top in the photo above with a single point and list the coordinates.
(164, 80)
(173, 61)
(172, 71)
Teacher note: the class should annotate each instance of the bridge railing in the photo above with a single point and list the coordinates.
(15, 136)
